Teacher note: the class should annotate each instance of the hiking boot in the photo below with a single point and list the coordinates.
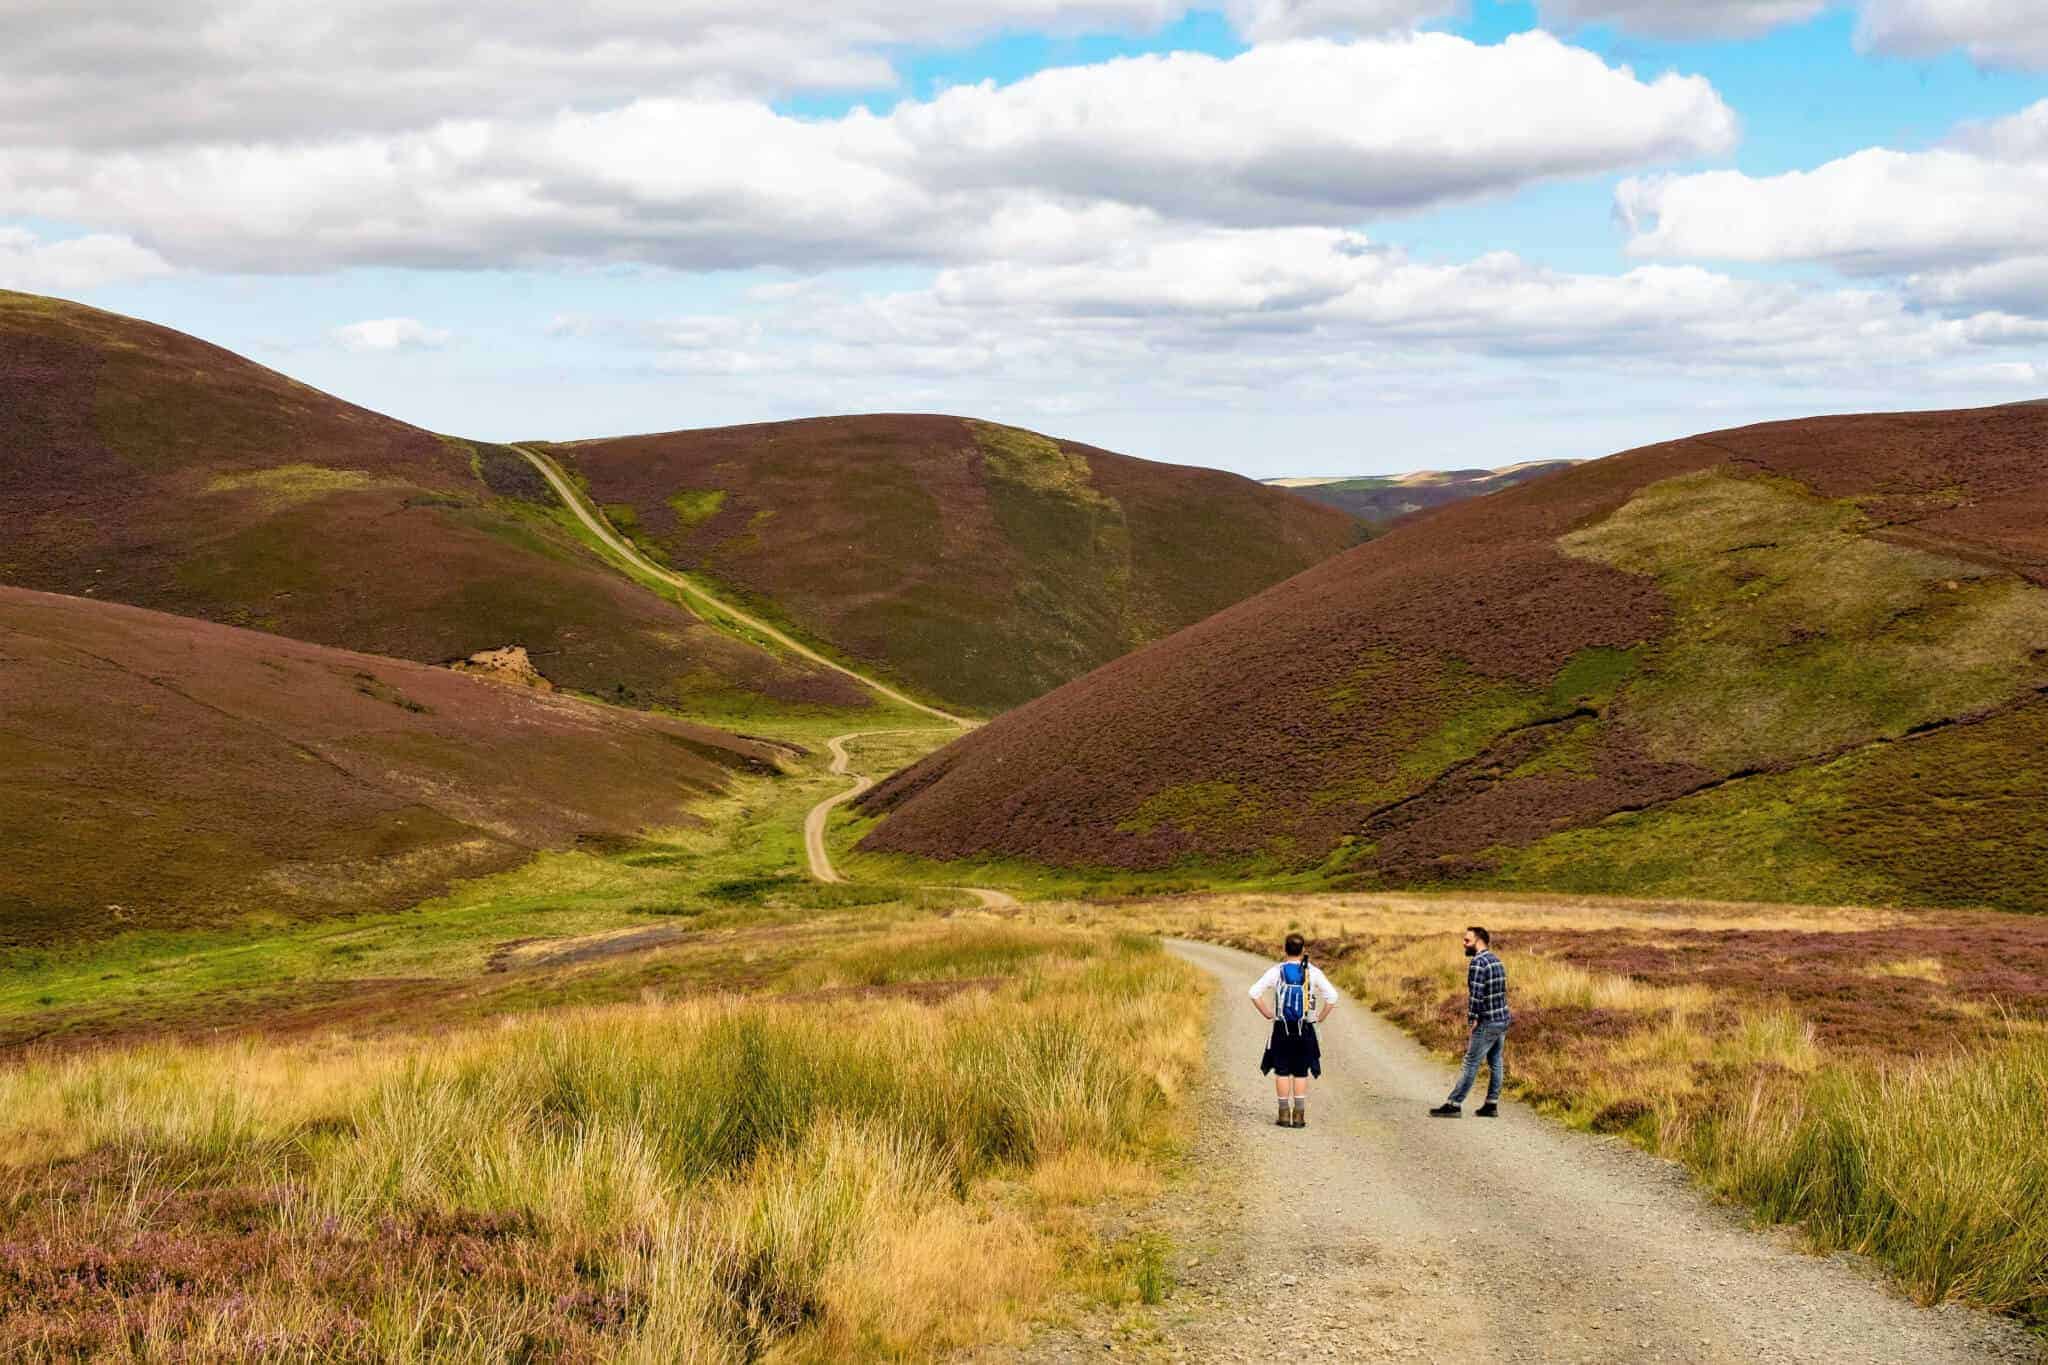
(1446, 1111)
(1300, 1116)
(1286, 1119)
(1488, 1110)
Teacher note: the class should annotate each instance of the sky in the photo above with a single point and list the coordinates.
(1281, 237)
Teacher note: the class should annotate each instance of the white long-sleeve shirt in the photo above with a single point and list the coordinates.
(1319, 983)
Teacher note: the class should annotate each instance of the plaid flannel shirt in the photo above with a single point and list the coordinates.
(1486, 989)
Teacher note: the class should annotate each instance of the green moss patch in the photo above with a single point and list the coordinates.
(695, 506)
(1794, 634)
(291, 484)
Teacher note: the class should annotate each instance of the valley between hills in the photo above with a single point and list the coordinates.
(781, 891)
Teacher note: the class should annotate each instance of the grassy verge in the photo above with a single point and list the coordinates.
(1873, 1076)
(859, 1175)
(738, 868)
(1040, 881)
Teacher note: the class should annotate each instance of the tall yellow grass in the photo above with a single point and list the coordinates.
(859, 1178)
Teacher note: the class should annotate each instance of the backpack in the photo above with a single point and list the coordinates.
(1294, 998)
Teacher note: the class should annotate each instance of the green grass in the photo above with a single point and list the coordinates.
(742, 865)
(1461, 715)
(695, 506)
(289, 485)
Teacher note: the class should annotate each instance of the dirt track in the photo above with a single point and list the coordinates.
(814, 823)
(1381, 1234)
(600, 528)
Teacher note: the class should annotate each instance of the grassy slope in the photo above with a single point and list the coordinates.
(976, 563)
(1809, 654)
(158, 772)
(143, 466)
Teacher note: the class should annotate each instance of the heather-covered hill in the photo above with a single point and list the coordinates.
(157, 771)
(141, 465)
(1380, 500)
(979, 563)
(1800, 661)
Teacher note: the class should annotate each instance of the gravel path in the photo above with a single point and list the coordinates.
(1379, 1233)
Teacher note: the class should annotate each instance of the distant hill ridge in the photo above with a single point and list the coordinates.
(978, 564)
(1380, 499)
(1798, 661)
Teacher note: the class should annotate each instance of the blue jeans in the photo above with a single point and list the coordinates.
(1486, 1043)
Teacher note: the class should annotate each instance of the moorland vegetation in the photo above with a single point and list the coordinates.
(978, 563)
(1378, 501)
(1802, 661)
(970, 564)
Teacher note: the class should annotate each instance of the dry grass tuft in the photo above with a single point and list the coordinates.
(715, 1180)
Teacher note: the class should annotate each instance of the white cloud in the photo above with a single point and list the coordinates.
(1319, 318)
(72, 265)
(2006, 374)
(230, 70)
(1965, 217)
(2019, 283)
(1995, 33)
(1315, 131)
(1050, 166)
(391, 334)
(1685, 18)
(1265, 20)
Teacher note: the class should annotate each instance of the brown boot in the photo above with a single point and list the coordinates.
(1300, 1119)
(1286, 1119)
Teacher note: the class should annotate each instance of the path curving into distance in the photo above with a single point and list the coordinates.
(815, 853)
(820, 858)
(594, 521)
(1380, 1234)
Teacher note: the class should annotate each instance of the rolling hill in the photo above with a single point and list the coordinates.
(982, 564)
(977, 564)
(141, 465)
(1798, 661)
(1380, 500)
(160, 772)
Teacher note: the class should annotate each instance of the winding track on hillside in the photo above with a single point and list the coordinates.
(815, 853)
(1381, 1234)
(594, 521)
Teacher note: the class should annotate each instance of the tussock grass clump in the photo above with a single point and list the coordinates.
(1934, 1168)
(707, 1181)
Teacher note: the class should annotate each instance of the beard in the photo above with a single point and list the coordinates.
(1471, 951)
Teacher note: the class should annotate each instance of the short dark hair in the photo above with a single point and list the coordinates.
(1295, 944)
(1480, 932)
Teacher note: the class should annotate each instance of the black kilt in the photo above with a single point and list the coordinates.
(1293, 1051)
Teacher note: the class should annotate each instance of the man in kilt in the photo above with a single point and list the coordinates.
(1302, 997)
